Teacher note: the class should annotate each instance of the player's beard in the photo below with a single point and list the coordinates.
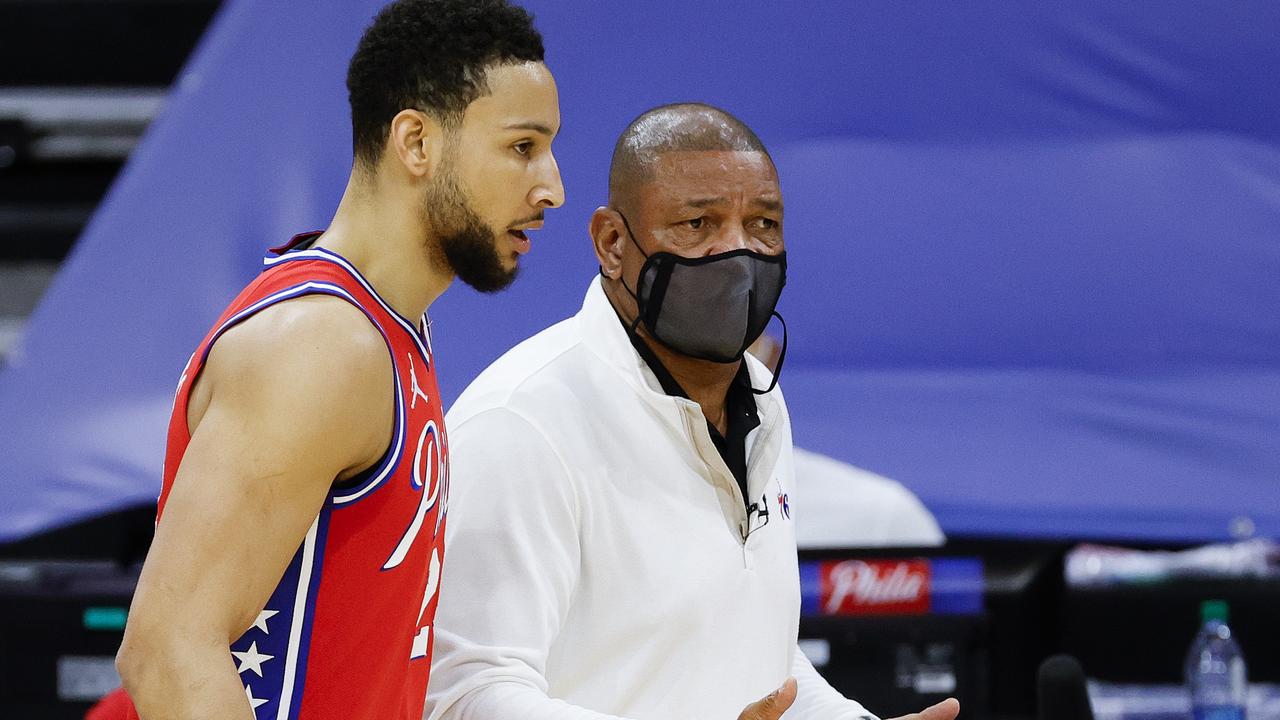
(464, 242)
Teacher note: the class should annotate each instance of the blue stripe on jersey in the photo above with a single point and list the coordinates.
(271, 656)
(309, 608)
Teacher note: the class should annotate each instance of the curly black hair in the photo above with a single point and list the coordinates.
(431, 55)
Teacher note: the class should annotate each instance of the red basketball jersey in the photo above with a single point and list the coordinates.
(347, 632)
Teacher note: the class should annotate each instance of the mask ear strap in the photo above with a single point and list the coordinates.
(630, 234)
(635, 242)
(634, 323)
(782, 356)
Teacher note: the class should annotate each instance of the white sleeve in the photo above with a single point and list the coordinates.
(816, 699)
(510, 568)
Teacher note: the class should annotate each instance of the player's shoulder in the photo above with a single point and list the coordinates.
(526, 377)
(309, 323)
(320, 340)
(306, 375)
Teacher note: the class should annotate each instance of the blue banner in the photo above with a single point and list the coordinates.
(1035, 271)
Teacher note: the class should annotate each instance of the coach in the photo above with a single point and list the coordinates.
(620, 539)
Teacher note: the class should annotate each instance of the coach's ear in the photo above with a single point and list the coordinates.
(608, 236)
(416, 141)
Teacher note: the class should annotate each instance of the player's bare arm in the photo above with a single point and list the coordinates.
(293, 399)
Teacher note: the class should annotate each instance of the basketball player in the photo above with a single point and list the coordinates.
(300, 532)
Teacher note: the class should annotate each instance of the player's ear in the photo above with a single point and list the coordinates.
(608, 236)
(416, 140)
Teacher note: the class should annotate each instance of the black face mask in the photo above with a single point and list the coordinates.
(712, 307)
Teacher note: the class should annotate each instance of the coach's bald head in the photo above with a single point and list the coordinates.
(679, 127)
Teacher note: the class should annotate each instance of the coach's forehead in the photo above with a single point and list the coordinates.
(675, 131)
(705, 178)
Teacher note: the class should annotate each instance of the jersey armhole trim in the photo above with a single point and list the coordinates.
(365, 481)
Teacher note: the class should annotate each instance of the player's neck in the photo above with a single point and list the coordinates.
(381, 231)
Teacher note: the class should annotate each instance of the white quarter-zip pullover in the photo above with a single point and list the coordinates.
(601, 561)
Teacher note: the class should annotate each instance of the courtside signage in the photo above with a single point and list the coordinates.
(905, 586)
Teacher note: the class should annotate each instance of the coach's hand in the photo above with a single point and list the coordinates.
(946, 710)
(771, 706)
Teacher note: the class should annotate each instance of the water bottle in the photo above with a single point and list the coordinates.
(1215, 668)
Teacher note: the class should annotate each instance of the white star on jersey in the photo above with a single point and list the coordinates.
(252, 659)
(254, 702)
(263, 617)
